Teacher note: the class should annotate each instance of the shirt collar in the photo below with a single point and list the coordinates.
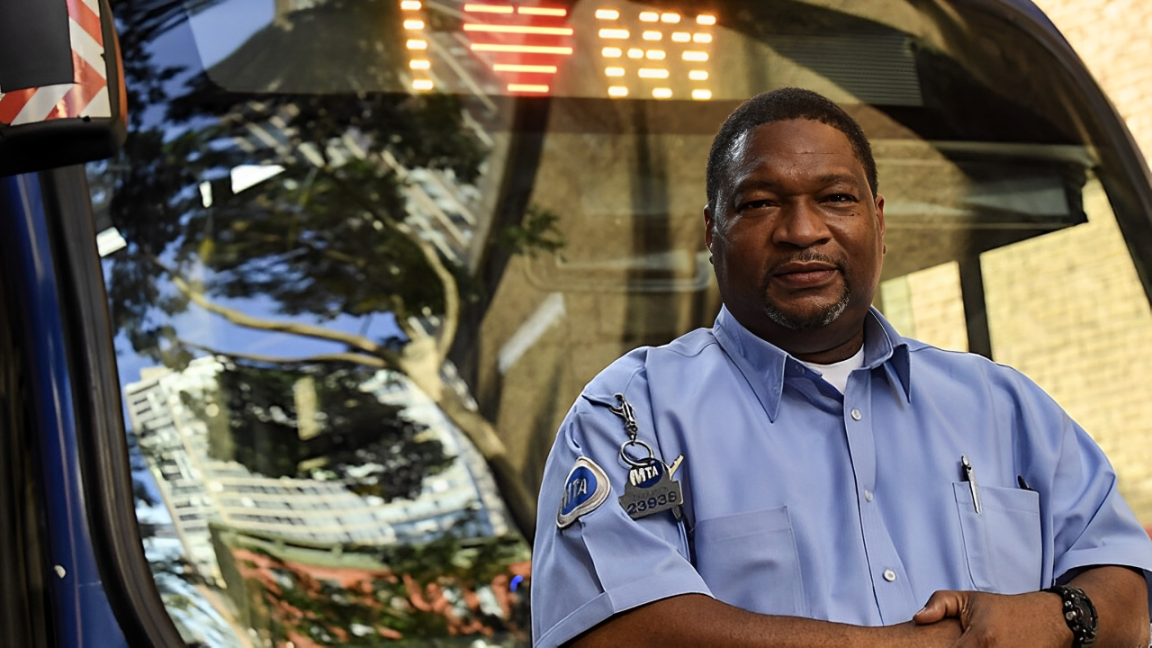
(765, 365)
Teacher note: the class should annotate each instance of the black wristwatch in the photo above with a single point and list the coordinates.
(1079, 613)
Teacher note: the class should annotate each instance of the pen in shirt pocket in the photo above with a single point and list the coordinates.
(970, 477)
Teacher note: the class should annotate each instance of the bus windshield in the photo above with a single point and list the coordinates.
(362, 256)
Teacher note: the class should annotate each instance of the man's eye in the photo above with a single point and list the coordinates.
(755, 204)
(841, 198)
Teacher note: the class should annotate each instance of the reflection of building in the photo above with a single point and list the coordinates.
(465, 484)
(162, 424)
(439, 208)
(197, 488)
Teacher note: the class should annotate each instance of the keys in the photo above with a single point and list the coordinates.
(650, 488)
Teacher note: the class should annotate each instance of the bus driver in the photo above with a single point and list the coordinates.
(800, 474)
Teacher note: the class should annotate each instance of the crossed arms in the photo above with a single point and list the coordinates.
(950, 618)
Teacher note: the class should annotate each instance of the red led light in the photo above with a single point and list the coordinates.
(520, 49)
(488, 8)
(519, 29)
(543, 11)
(521, 44)
(525, 42)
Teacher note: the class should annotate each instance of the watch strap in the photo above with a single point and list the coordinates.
(1079, 614)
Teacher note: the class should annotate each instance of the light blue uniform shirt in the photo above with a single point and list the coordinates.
(802, 501)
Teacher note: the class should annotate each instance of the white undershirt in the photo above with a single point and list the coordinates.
(836, 374)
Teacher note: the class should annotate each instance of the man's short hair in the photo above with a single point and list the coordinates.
(780, 105)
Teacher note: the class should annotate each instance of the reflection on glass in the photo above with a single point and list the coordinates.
(366, 268)
(290, 489)
(313, 471)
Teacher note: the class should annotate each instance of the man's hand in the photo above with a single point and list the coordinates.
(1036, 619)
(1033, 619)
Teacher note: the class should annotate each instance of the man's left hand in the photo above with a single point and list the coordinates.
(1120, 595)
(1032, 619)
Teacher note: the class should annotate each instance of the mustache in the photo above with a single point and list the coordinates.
(804, 256)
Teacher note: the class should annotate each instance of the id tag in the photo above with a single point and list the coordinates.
(650, 490)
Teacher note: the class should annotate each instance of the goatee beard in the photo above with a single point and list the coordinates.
(816, 320)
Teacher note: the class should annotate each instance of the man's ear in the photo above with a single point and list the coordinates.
(709, 226)
(880, 213)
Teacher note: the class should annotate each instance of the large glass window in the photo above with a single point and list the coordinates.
(364, 255)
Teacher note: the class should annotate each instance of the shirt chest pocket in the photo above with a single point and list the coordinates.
(1002, 543)
(750, 561)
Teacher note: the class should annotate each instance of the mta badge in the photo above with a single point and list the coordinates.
(650, 489)
(585, 489)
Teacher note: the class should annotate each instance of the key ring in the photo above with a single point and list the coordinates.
(636, 463)
(628, 413)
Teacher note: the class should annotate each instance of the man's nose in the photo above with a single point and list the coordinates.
(801, 225)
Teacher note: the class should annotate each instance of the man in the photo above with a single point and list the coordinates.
(800, 475)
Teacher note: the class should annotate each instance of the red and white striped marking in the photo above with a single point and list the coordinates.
(86, 96)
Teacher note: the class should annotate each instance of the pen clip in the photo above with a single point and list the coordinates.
(970, 477)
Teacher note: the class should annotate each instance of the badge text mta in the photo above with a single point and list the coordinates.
(574, 490)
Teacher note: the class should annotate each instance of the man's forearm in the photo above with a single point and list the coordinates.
(1120, 596)
(697, 620)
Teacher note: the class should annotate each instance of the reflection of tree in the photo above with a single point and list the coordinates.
(325, 238)
(342, 433)
(537, 232)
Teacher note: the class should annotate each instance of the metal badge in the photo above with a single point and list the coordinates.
(650, 488)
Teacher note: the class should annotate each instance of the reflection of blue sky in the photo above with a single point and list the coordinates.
(208, 329)
(172, 48)
(203, 40)
(224, 26)
(200, 327)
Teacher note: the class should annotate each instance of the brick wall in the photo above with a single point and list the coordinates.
(1111, 36)
(1067, 308)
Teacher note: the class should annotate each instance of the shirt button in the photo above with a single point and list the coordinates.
(868, 495)
(856, 415)
(889, 575)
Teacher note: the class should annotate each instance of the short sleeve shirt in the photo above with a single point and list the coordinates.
(799, 500)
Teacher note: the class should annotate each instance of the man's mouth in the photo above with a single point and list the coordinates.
(805, 274)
